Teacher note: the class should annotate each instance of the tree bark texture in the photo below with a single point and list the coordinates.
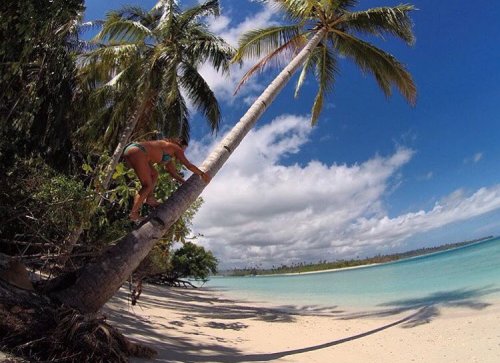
(97, 282)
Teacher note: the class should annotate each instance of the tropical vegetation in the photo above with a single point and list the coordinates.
(144, 65)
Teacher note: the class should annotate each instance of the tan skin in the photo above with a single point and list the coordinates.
(142, 163)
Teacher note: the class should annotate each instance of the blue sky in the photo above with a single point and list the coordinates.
(375, 175)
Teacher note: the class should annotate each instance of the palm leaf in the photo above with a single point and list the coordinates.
(203, 45)
(325, 71)
(105, 62)
(291, 47)
(117, 29)
(201, 95)
(110, 54)
(174, 119)
(174, 115)
(298, 10)
(210, 7)
(307, 67)
(135, 13)
(386, 69)
(346, 4)
(384, 20)
(256, 42)
(165, 11)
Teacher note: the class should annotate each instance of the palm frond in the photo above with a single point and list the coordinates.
(384, 20)
(346, 4)
(173, 117)
(90, 25)
(170, 123)
(210, 7)
(302, 77)
(170, 5)
(386, 69)
(309, 64)
(326, 66)
(105, 61)
(201, 95)
(117, 29)
(317, 106)
(326, 69)
(135, 13)
(256, 42)
(298, 10)
(165, 11)
(145, 112)
(203, 45)
(291, 47)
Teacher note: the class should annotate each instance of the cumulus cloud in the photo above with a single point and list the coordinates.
(262, 209)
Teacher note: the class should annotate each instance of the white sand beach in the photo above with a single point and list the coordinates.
(186, 325)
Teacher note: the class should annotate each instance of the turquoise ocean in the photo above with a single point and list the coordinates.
(463, 275)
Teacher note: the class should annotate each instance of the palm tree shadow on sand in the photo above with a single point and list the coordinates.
(429, 306)
(418, 311)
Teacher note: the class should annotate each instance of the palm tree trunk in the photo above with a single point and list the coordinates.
(98, 281)
(68, 245)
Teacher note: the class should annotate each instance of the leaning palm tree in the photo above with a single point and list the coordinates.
(323, 29)
(144, 65)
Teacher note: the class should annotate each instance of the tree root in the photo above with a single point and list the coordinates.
(33, 327)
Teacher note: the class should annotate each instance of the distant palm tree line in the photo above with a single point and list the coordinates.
(302, 267)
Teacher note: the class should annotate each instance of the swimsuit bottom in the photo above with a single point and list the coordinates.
(134, 144)
(165, 157)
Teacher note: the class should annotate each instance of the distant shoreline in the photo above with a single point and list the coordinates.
(383, 263)
(386, 259)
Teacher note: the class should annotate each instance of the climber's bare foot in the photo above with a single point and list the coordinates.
(135, 217)
(152, 202)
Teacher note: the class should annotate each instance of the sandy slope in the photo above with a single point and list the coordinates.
(203, 326)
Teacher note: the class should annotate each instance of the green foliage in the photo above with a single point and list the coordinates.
(39, 208)
(193, 261)
(143, 66)
(60, 190)
(37, 77)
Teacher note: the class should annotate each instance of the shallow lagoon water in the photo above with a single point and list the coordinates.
(467, 274)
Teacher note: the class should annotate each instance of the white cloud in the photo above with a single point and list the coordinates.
(259, 210)
(224, 86)
(219, 24)
(474, 158)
